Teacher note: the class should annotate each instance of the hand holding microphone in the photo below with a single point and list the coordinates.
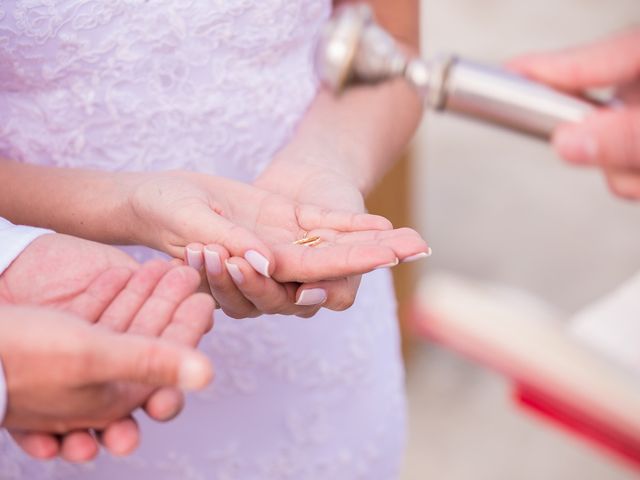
(607, 138)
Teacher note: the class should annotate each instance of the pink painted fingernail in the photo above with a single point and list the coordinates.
(417, 256)
(194, 258)
(389, 265)
(235, 273)
(212, 262)
(259, 262)
(313, 296)
(577, 145)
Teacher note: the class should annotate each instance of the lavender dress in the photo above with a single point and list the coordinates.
(215, 86)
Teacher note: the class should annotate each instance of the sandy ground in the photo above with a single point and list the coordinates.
(499, 207)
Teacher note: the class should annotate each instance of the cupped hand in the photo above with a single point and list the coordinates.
(103, 285)
(610, 138)
(261, 225)
(242, 293)
(63, 375)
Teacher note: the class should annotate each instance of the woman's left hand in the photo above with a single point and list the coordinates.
(242, 293)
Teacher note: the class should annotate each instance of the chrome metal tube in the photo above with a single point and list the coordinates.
(508, 100)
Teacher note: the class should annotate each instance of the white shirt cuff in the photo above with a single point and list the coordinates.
(13, 240)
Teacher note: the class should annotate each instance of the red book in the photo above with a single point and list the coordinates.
(555, 374)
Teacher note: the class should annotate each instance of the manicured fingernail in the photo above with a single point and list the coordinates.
(417, 256)
(313, 296)
(389, 265)
(577, 146)
(194, 374)
(235, 273)
(194, 258)
(259, 263)
(212, 262)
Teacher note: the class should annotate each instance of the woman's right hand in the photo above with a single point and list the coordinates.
(241, 292)
(174, 209)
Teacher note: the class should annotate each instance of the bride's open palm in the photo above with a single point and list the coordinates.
(241, 293)
(175, 209)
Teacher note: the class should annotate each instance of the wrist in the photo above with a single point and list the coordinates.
(313, 184)
(136, 222)
(296, 165)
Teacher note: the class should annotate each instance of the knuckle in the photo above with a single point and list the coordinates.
(240, 314)
(307, 313)
(270, 310)
(274, 308)
(343, 303)
(151, 362)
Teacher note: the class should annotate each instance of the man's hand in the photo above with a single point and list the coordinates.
(103, 285)
(609, 139)
(64, 375)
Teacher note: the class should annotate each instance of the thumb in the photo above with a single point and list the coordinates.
(608, 138)
(149, 361)
(610, 62)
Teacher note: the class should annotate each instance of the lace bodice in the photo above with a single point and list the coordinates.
(216, 86)
(100, 84)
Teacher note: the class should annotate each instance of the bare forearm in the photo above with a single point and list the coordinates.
(83, 203)
(361, 133)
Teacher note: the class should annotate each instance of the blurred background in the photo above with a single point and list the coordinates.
(500, 208)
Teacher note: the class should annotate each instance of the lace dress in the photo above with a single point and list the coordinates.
(215, 86)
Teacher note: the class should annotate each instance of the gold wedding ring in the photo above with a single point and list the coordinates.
(307, 241)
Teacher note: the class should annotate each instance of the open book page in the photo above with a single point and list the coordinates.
(612, 325)
(554, 370)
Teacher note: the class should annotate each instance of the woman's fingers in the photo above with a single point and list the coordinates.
(310, 217)
(269, 296)
(613, 61)
(304, 264)
(208, 227)
(405, 242)
(341, 254)
(608, 139)
(121, 312)
(339, 294)
(222, 285)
